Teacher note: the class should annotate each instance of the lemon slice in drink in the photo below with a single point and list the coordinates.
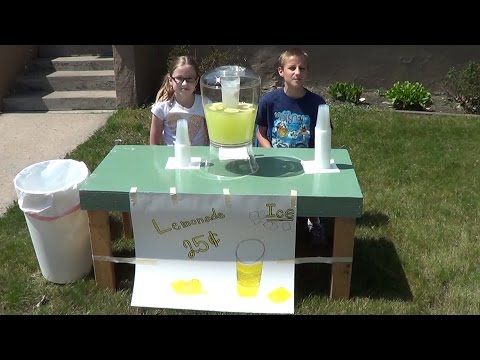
(244, 105)
(247, 110)
(230, 110)
(216, 106)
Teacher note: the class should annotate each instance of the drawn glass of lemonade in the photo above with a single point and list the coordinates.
(230, 97)
(249, 262)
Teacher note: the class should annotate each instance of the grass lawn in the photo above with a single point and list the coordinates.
(416, 244)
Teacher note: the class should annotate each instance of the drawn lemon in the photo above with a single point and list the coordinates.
(195, 286)
(279, 295)
(188, 287)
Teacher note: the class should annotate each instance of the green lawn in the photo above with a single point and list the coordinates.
(416, 244)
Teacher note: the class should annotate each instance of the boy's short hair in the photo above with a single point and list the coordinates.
(291, 52)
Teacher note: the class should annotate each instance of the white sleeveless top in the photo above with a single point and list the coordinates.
(170, 112)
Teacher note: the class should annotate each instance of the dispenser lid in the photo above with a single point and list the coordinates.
(212, 78)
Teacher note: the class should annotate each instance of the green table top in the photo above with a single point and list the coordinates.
(280, 171)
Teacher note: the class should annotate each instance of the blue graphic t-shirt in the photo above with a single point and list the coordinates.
(290, 122)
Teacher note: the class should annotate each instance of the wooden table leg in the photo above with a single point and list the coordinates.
(101, 242)
(127, 225)
(342, 247)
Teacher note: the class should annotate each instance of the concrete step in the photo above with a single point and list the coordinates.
(61, 100)
(64, 78)
(48, 51)
(70, 63)
(65, 81)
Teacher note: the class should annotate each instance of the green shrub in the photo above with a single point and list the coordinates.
(381, 92)
(464, 86)
(213, 59)
(178, 50)
(217, 57)
(408, 96)
(347, 92)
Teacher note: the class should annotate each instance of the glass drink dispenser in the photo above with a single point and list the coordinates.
(230, 99)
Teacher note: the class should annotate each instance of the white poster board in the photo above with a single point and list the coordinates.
(214, 252)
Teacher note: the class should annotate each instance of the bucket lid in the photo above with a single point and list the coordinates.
(50, 176)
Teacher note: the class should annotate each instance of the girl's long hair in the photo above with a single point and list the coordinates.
(166, 90)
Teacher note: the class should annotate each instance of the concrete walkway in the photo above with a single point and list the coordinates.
(28, 138)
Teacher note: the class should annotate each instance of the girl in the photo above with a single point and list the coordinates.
(177, 100)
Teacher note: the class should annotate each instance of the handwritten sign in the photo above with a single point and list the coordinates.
(214, 252)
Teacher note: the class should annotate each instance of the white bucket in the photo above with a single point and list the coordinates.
(48, 195)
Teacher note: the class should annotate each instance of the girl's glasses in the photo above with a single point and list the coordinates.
(180, 80)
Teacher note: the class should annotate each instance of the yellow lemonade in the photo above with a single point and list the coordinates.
(227, 126)
(248, 278)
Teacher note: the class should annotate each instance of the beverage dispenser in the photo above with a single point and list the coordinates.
(230, 99)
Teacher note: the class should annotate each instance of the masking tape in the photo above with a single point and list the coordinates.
(133, 195)
(173, 195)
(293, 198)
(304, 260)
(125, 260)
(318, 259)
(228, 198)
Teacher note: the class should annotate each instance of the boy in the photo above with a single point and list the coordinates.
(287, 117)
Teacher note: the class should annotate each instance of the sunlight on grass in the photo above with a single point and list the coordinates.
(416, 244)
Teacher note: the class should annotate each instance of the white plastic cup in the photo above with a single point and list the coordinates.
(323, 148)
(182, 144)
(181, 136)
(323, 137)
(323, 117)
(182, 155)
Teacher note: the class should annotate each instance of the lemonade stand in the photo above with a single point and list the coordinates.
(230, 99)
